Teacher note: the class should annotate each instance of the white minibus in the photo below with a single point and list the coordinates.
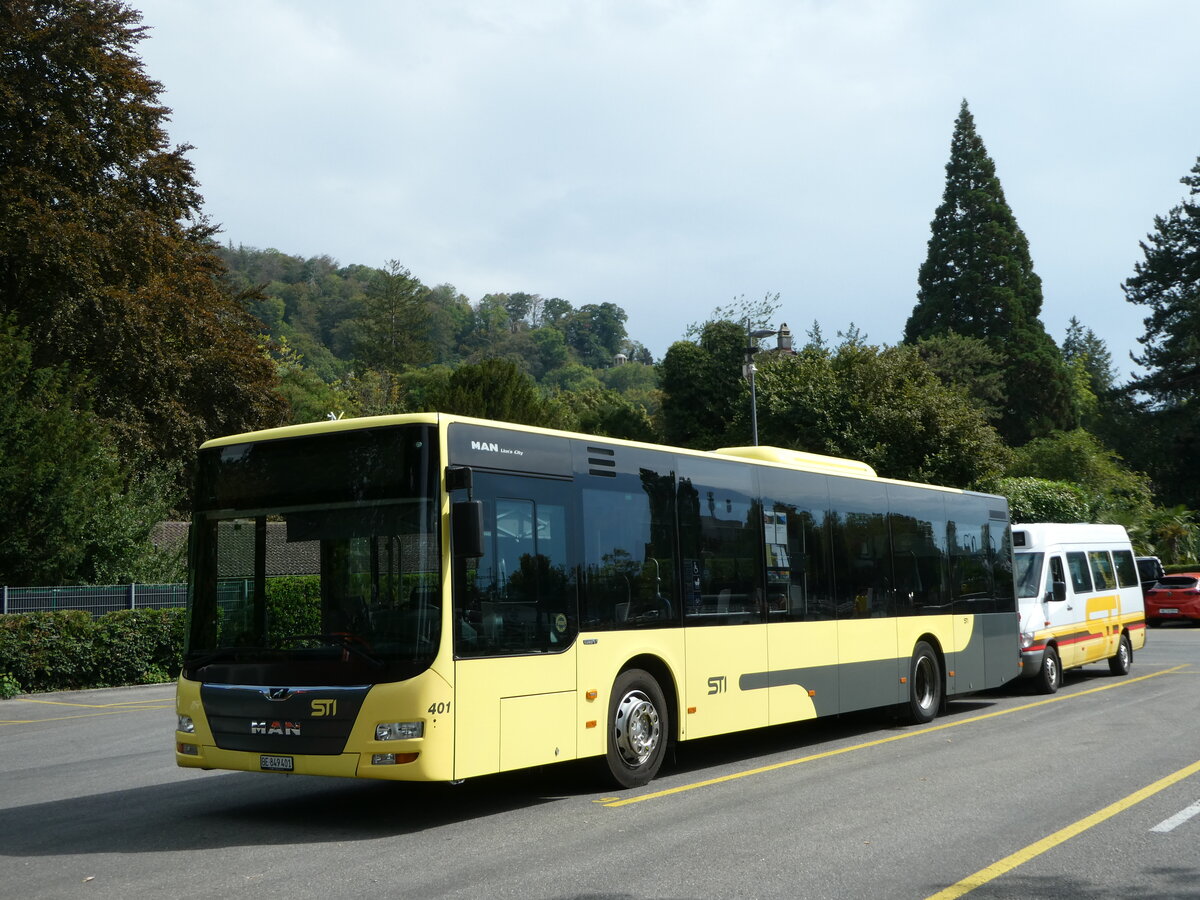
(1079, 597)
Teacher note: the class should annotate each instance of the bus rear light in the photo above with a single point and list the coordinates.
(399, 731)
(393, 759)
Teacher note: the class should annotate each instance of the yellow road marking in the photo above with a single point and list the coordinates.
(100, 709)
(628, 801)
(996, 869)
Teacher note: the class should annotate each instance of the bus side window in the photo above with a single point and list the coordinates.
(1081, 576)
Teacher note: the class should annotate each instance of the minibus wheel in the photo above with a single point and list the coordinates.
(638, 725)
(1119, 663)
(1050, 677)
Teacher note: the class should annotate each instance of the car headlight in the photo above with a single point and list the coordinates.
(1026, 640)
(399, 731)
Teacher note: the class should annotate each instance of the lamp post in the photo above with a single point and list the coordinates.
(752, 339)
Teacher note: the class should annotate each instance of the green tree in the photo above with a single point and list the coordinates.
(105, 257)
(882, 406)
(393, 320)
(1113, 492)
(978, 280)
(499, 389)
(1167, 283)
(72, 513)
(596, 332)
(1040, 500)
(703, 392)
(969, 365)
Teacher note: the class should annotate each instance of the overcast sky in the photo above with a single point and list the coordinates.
(669, 156)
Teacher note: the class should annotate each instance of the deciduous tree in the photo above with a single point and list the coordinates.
(105, 257)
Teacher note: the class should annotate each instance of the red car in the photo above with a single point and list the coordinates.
(1174, 597)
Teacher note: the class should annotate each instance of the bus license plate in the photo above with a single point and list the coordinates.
(276, 763)
(1169, 612)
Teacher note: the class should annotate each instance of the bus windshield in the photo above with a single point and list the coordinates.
(314, 564)
(1028, 568)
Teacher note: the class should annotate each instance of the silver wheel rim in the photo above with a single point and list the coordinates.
(1124, 653)
(923, 682)
(636, 728)
(1051, 669)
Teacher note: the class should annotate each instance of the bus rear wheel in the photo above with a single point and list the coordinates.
(638, 725)
(924, 684)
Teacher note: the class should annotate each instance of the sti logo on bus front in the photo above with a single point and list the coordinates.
(274, 727)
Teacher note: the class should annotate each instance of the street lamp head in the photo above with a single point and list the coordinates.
(762, 333)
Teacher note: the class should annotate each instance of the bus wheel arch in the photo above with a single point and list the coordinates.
(926, 681)
(640, 722)
(1120, 661)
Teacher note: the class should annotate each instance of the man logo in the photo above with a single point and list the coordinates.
(324, 708)
(489, 446)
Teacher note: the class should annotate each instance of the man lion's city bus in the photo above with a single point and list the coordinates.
(477, 597)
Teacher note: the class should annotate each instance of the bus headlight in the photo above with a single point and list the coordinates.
(186, 725)
(399, 731)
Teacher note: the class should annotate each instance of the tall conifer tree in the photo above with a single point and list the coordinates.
(1167, 283)
(978, 280)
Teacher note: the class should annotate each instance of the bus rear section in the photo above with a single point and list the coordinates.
(1080, 599)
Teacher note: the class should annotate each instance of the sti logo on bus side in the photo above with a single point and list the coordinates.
(275, 727)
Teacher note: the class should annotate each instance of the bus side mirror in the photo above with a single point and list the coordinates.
(1060, 590)
(466, 528)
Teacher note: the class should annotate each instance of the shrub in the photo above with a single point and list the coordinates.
(69, 650)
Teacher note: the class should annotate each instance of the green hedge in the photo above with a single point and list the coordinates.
(67, 650)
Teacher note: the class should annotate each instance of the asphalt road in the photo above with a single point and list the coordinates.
(1091, 793)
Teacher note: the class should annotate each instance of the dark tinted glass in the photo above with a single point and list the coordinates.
(796, 540)
(720, 539)
(628, 540)
(333, 467)
(919, 557)
(862, 559)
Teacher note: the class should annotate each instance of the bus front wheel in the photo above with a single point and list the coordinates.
(638, 725)
(924, 684)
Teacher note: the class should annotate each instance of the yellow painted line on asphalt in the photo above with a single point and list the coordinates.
(98, 709)
(709, 782)
(996, 869)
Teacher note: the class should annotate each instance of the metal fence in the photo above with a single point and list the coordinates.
(97, 600)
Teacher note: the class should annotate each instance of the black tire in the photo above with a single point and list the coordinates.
(1119, 663)
(1050, 676)
(924, 684)
(638, 727)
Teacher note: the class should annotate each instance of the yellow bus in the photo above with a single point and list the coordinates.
(480, 597)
